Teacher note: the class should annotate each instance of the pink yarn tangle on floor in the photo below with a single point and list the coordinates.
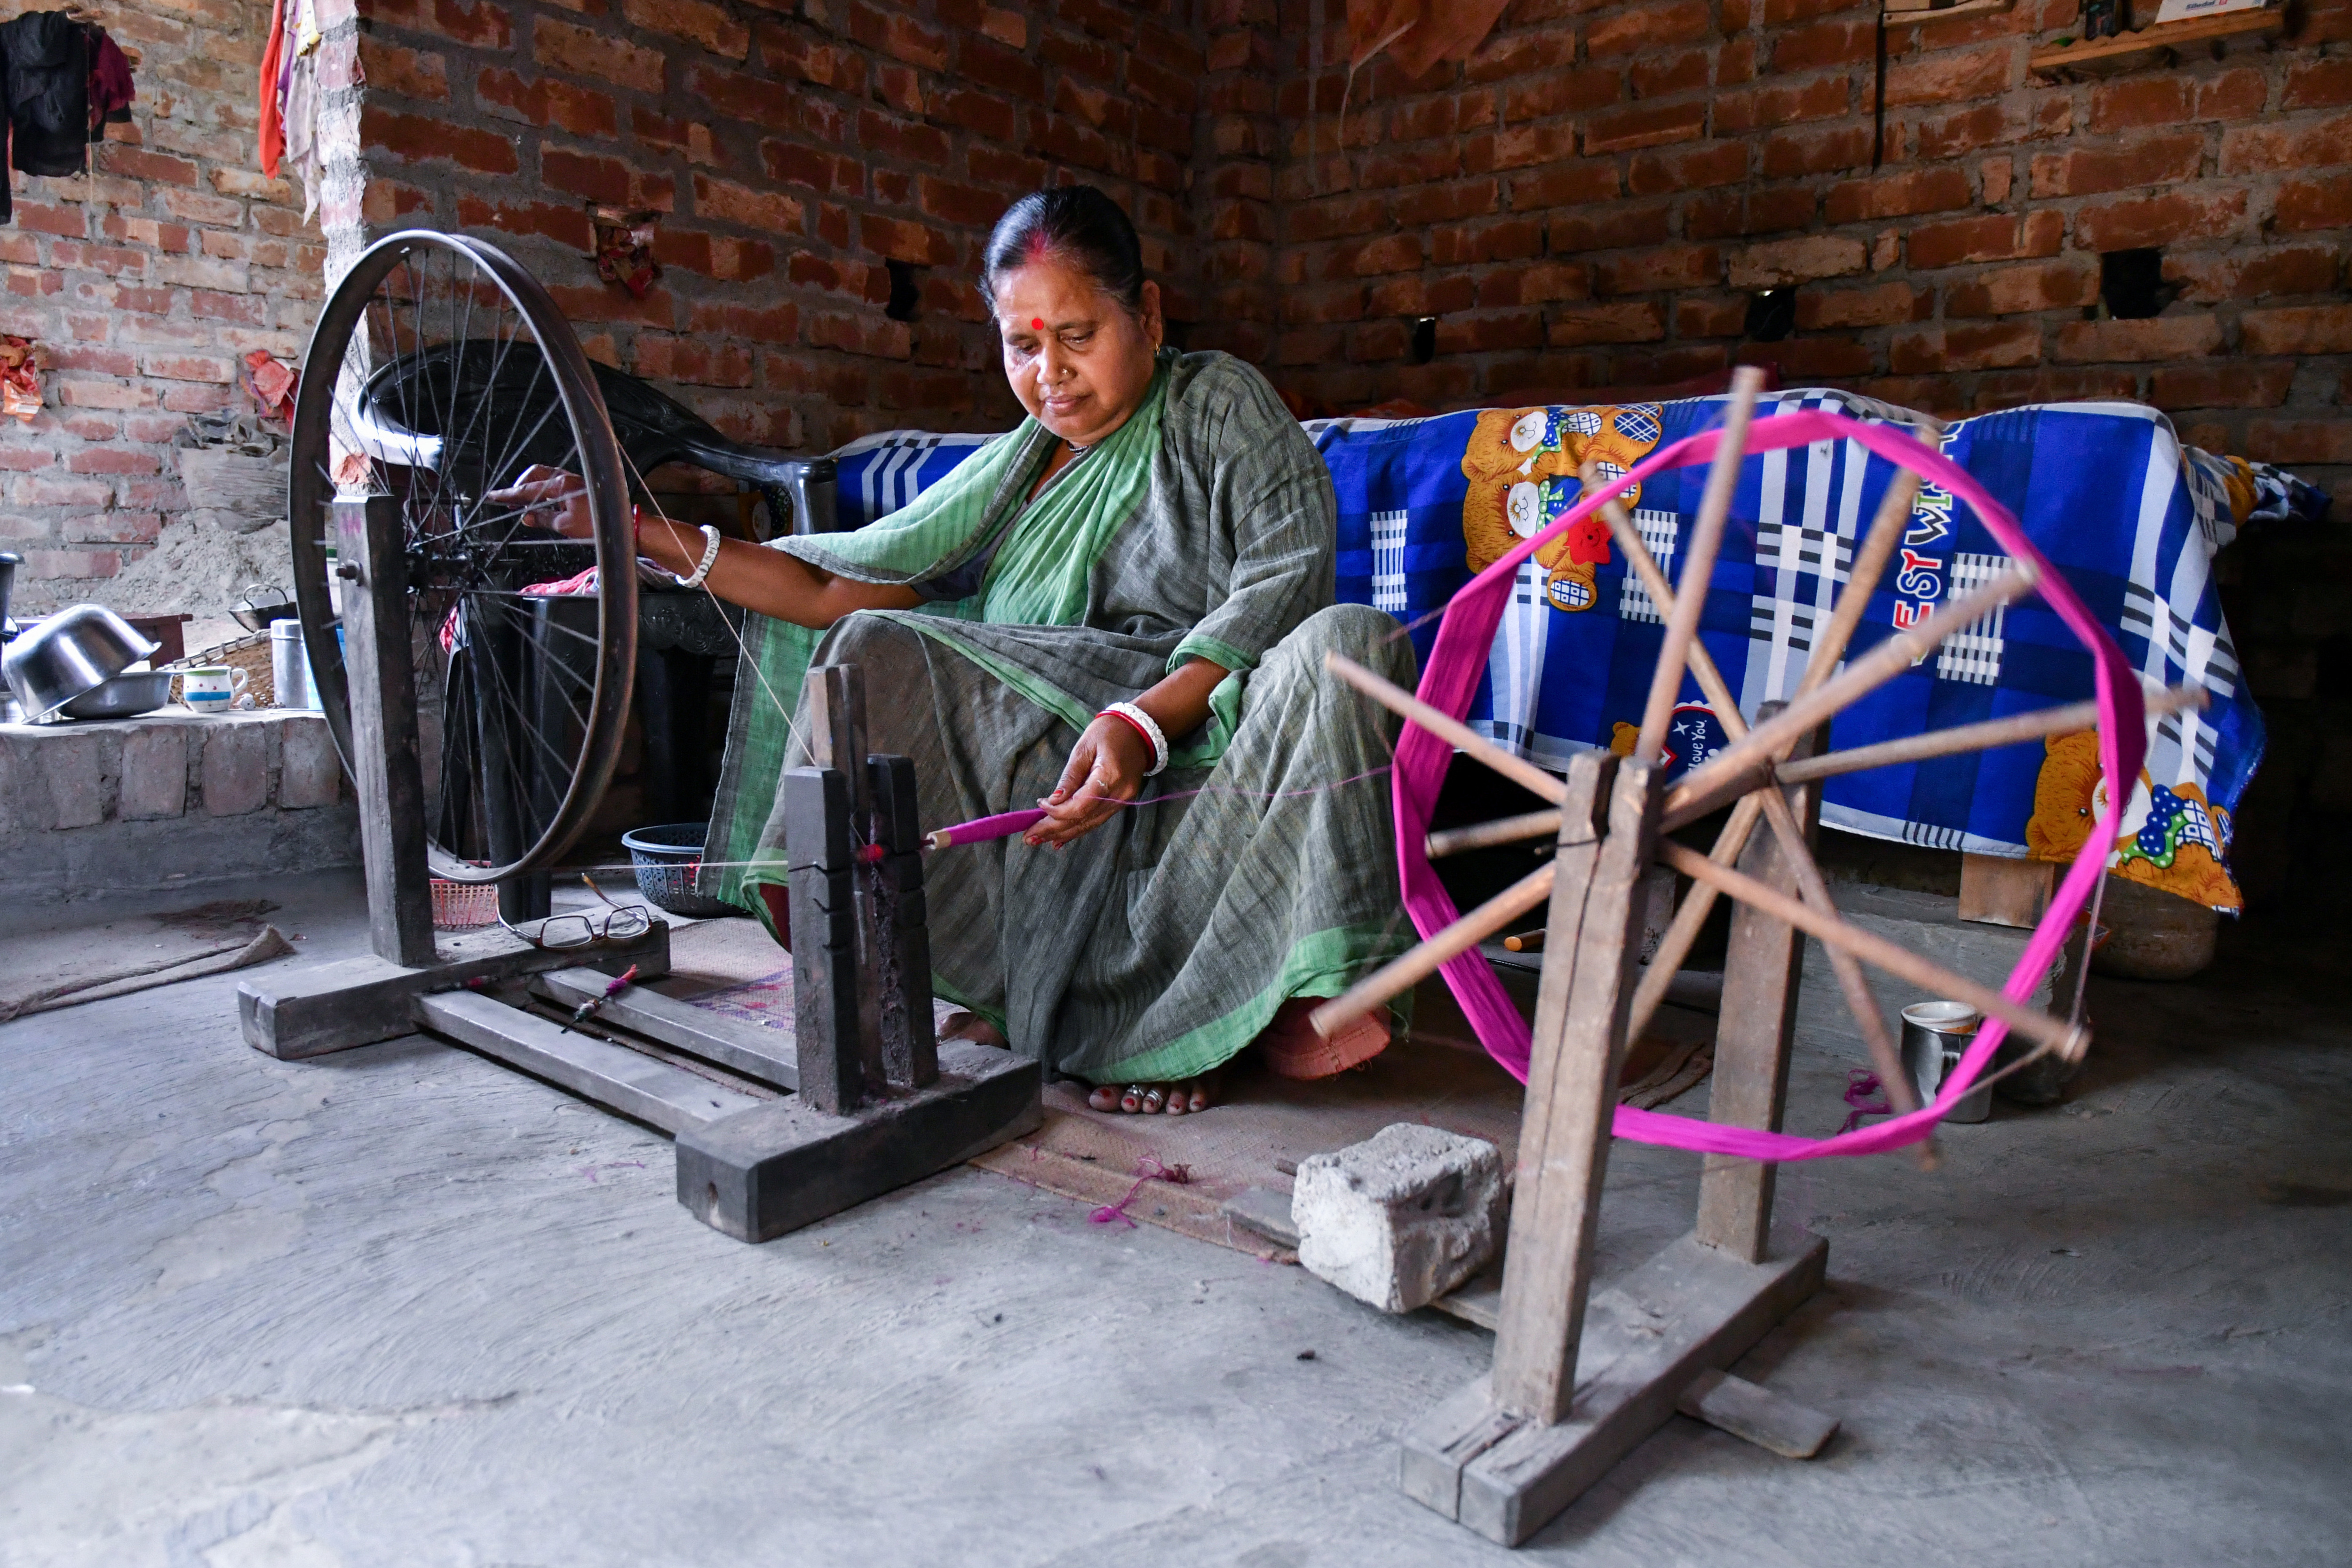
(1451, 680)
(1149, 1169)
(1866, 1095)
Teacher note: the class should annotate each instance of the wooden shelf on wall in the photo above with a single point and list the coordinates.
(2122, 47)
(1905, 18)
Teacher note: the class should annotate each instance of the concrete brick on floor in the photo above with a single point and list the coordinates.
(236, 771)
(309, 772)
(80, 782)
(155, 772)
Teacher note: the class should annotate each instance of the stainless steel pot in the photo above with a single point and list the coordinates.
(71, 652)
(9, 561)
(124, 697)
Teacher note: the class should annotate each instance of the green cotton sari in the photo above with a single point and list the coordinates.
(1257, 868)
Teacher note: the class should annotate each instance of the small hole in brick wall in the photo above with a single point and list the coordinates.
(905, 290)
(1771, 315)
(2132, 286)
(1424, 340)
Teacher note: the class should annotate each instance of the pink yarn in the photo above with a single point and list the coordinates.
(1467, 636)
(1003, 824)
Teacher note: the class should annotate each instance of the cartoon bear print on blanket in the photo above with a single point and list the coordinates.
(1522, 465)
(2171, 838)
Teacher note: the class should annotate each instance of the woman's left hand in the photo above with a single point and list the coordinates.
(1105, 770)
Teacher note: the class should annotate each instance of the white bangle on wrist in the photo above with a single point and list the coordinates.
(1151, 731)
(702, 568)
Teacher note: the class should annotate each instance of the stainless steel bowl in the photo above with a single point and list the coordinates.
(71, 652)
(124, 697)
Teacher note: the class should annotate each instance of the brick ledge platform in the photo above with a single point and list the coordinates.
(167, 801)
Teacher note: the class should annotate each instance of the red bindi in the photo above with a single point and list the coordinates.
(1036, 323)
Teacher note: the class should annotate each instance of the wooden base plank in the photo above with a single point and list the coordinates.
(764, 1172)
(1686, 1311)
(628, 1081)
(1735, 1405)
(358, 1001)
(766, 1055)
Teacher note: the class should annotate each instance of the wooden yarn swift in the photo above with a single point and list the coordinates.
(1580, 1377)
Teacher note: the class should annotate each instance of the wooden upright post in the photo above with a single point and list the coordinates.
(1607, 826)
(1758, 1017)
(388, 773)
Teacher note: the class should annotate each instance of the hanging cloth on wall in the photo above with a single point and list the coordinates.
(111, 90)
(271, 136)
(45, 55)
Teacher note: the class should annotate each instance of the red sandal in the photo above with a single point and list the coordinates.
(1295, 1049)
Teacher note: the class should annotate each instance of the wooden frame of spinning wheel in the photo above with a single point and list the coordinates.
(1580, 1377)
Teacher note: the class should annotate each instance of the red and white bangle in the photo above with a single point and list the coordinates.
(1144, 725)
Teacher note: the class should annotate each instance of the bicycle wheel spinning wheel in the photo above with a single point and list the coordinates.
(1509, 1452)
(439, 370)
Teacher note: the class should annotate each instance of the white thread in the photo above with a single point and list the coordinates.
(1151, 731)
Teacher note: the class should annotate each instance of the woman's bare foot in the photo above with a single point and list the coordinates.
(973, 1026)
(1159, 1099)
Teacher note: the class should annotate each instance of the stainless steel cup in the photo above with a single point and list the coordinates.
(1935, 1033)
(289, 667)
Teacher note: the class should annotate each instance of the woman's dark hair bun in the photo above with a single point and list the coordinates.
(1076, 223)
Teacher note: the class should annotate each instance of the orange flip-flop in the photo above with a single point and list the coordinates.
(1295, 1049)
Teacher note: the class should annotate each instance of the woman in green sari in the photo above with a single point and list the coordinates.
(1117, 612)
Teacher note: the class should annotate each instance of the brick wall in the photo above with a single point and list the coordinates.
(1593, 197)
(144, 280)
(794, 150)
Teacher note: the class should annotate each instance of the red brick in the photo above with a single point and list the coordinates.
(1643, 125)
(776, 324)
(112, 460)
(2235, 385)
(1935, 189)
(1565, 184)
(1521, 54)
(2324, 202)
(2160, 220)
(1395, 253)
(564, 222)
(981, 113)
(1665, 267)
(248, 309)
(1953, 75)
(605, 179)
(901, 240)
(1633, 322)
(1963, 348)
(1802, 361)
(1561, 92)
(1663, 76)
(67, 221)
(482, 24)
(1884, 305)
(2142, 100)
(1710, 316)
(2301, 330)
(2209, 277)
(2087, 170)
(1664, 367)
(1824, 44)
(582, 111)
(2024, 290)
(2256, 149)
(1800, 260)
(411, 73)
(1688, 168)
(1608, 228)
(1441, 203)
(1766, 107)
(222, 212)
(560, 45)
(1995, 238)
(1790, 153)
(144, 301)
(2237, 95)
(1534, 285)
(420, 138)
(2154, 338)
(2299, 441)
(1485, 333)
(2319, 84)
(772, 212)
(1648, 26)
(696, 21)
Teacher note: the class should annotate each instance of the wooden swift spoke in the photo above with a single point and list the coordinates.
(1799, 855)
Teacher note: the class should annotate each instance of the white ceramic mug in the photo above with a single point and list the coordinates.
(212, 689)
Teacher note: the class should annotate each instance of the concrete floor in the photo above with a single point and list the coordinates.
(403, 1307)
